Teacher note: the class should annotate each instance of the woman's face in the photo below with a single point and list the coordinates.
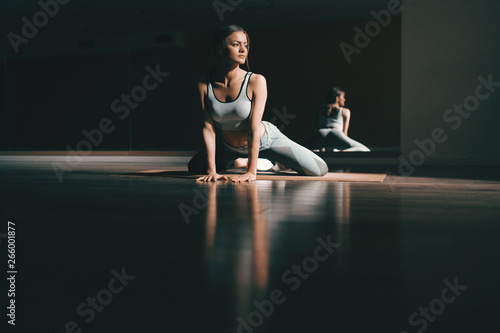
(237, 47)
(341, 99)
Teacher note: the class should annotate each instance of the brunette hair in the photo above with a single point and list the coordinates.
(331, 98)
(333, 93)
(220, 36)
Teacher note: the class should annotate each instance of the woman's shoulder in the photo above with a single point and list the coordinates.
(202, 83)
(256, 83)
(257, 79)
(346, 111)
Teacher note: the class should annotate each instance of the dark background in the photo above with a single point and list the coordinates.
(66, 77)
(398, 87)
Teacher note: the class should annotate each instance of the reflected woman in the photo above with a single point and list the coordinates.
(232, 103)
(333, 121)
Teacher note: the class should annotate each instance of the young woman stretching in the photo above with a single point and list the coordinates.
(333, 121)
(233, 101)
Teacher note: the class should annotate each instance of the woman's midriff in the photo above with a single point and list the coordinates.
(239, 139)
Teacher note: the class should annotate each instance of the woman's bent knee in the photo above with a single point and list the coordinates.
(323, 169)
(320, 171)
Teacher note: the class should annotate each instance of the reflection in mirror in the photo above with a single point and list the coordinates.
(333, 123)
(83, 60)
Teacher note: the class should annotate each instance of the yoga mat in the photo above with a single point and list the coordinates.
(330, 176)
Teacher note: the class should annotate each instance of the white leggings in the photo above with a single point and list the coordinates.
(334, 138)
(274, 146)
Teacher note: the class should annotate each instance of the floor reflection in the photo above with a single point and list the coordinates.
(343, 203)
(248, 235)
(247, 258)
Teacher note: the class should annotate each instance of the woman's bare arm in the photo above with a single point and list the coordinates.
(346, 114)
(259, 97)
(209, 137)
(258, 105)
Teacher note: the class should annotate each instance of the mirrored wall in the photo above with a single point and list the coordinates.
(120, 75)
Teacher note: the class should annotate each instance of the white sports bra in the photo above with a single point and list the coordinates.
(335, 120)
(231, 116)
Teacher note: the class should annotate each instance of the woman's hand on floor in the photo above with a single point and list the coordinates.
(246, 177)
(211, 177)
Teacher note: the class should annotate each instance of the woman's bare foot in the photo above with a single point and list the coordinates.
(241, 163)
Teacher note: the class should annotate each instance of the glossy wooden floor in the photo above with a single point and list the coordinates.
(411, 254)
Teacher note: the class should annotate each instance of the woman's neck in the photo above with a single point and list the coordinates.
(227, 73)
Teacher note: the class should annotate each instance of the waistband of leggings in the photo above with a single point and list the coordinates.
(237, 149)
(244, 150)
